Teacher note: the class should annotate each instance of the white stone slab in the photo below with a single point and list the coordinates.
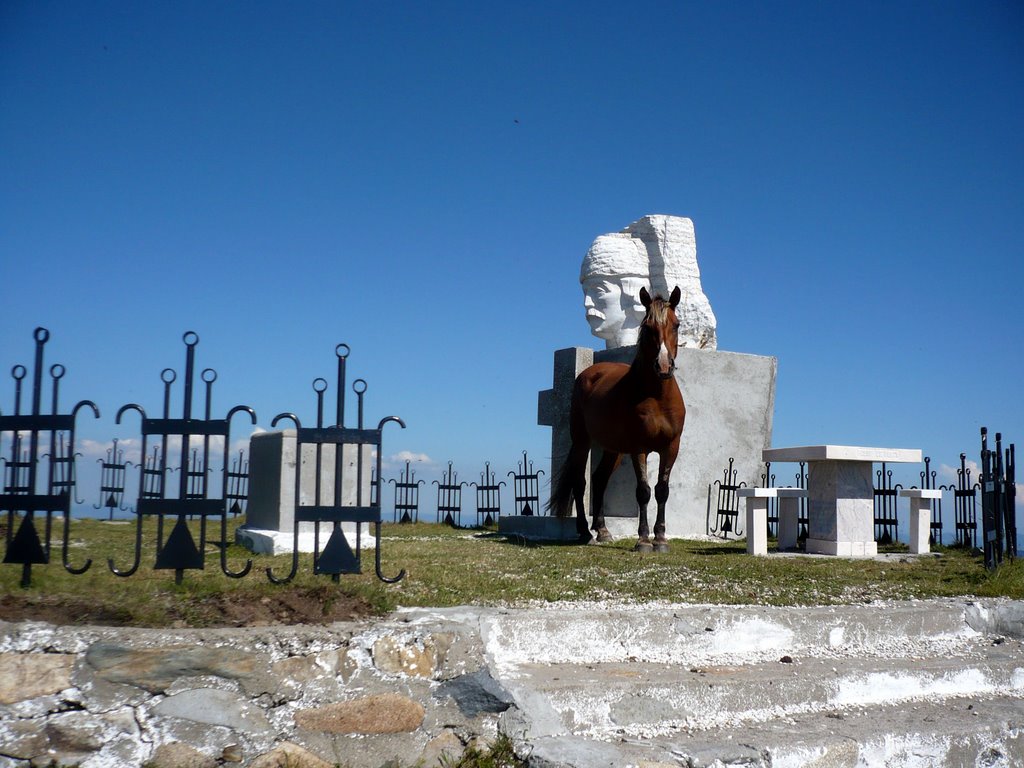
(921, 493)
(765, 493)
(261, 541)
(842, 453)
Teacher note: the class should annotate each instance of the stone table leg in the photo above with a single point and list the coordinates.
(840, 509)
(789, 517)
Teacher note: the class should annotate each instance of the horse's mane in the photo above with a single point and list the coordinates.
(658, 311)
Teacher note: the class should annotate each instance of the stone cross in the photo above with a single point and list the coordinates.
(553, 404)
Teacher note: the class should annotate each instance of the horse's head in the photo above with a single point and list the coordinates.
(658, 341)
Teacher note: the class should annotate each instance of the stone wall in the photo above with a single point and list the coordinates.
(355, 695)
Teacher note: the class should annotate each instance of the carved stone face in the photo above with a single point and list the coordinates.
(613, 308)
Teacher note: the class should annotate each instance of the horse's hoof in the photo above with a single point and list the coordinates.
(603, 535)
(644, 547)
(661, 546)
(586, 538)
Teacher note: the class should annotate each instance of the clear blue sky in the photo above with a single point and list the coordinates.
(421, 181)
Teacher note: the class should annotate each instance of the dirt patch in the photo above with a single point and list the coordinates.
(315, 605)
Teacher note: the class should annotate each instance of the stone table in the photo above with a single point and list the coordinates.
(840, 494)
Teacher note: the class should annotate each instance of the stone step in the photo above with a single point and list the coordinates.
(952, 733)
(709, 635)
(936, 683)
(616, 699)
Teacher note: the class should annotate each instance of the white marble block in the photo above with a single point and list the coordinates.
(840, 509)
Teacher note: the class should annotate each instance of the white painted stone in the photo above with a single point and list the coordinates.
(658, 252)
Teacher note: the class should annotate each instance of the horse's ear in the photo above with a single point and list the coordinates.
(675, 297)
(645, 297)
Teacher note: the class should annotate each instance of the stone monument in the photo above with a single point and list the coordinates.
(656, 252)
(270, 516)
(730, 397)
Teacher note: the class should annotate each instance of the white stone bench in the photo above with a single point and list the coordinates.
(840, 494)
(920, 516)
(757, 517)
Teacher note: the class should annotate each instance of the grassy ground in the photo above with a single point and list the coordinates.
(466, 567)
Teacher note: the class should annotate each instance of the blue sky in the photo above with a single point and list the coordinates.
(422, 180)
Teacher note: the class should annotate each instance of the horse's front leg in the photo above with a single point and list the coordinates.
(668, 458)
(609, 462)
(643, 496)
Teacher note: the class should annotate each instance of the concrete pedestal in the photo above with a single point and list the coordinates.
(840, 509)
(730, 400)
(270, 515)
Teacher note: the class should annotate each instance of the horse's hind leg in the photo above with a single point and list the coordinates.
(643, 496)
(577, 465)
(605, 467)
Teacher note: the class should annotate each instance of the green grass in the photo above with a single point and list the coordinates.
(448, 567)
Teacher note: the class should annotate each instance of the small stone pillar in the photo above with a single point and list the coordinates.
(789, 517)
(920, 517)
(757, 518)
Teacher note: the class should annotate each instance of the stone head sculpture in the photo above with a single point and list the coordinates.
(613, 272)
(655, 252)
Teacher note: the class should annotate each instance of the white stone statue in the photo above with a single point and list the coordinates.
(658, 252)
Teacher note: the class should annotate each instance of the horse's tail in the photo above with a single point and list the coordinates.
(560, 503)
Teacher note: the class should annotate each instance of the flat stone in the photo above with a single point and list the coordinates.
(475, 693)
(288, 755)
(23, 739)
(178, 755)
(155, 669)
(215, 707)
(75, 732)
(444, 749)
(382, 713)
(393, 657)
(26, 676)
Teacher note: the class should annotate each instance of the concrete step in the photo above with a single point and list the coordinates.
(916, 683)
(708, 635)
(985, 731)
(637, 699)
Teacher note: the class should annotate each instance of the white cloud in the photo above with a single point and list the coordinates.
(949, 474)
(414, 458)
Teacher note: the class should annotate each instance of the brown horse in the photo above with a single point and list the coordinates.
(635, 409)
